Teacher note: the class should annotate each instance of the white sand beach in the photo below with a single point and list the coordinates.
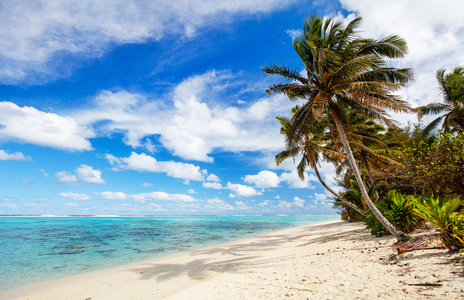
(335, 260)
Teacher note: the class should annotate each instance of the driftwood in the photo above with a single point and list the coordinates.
(426, 284)
(421, 241)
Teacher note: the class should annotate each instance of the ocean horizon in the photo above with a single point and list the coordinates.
(39, 249)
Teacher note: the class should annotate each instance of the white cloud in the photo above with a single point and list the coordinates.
(243, 190)
(44, 173)
(88, 174)
(147, 163)
(13, 156)
(143, 197)
(284, 204)
(294, 33)
(147, 185)
(322, 198)
(264, 179)
(65, 177)
(163, 197)
(75, 196)
(212, 185)
(191, 191)
(218, 204)
(294, 181)
(434, 33)
(242, 205)
(34, 37)
(212, 177)
(113, 195)
(264, 203)
(29, 125)
(298, 202)
(195, 105)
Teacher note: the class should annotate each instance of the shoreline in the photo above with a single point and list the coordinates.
(129, 241)
(334, 259)
(27, 289)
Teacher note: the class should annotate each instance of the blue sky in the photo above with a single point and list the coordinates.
(159, 107)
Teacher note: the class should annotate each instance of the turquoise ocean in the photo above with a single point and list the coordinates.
(35, 250)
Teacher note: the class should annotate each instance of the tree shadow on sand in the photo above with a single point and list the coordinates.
(235, 254)
(197, 269)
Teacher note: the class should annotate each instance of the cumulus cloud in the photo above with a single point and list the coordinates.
(65, 177)
(13, 156)
(146, 163)
(298, 202)
(34, 37)
(294, 33)
(113, 195)
(264, 203)
(264, 179)
(218, 204)
(434, 33)
(243, 190)
(83, 172)
(29, 125)
(242, 205)
(75, 196)
(294, 181)
(88, 174)
(212, 185)
(199, 117)
(212, 177)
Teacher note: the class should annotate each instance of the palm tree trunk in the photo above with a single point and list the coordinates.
(352, 205)
(371, 179)
(399, 235)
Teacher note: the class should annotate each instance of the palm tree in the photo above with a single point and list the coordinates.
(452, 89)
(344, 71)
(369, 149)
(308, 147)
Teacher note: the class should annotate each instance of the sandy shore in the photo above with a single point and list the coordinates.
(334, 260)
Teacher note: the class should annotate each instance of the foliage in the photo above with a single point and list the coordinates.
(343, 72)
(452, 89)
(398, 209)
(432, 166)
(446, 217)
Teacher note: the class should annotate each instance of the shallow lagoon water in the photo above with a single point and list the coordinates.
(34, 250)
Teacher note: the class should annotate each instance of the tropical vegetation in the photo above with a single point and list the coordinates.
(394, 179)
(344, 72)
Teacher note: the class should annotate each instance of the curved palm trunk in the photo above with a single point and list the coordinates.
(399, 235)
(352, 205)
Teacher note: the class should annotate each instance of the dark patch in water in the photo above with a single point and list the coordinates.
(79, 246)
(106, 251)
(71, 251)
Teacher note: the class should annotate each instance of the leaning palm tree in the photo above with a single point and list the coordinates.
(452, 89)
(365, 138)
(308, 148)
(344, 71)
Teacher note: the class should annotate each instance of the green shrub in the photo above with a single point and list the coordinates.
(373, 224)
(446, 217)
(398, 209)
